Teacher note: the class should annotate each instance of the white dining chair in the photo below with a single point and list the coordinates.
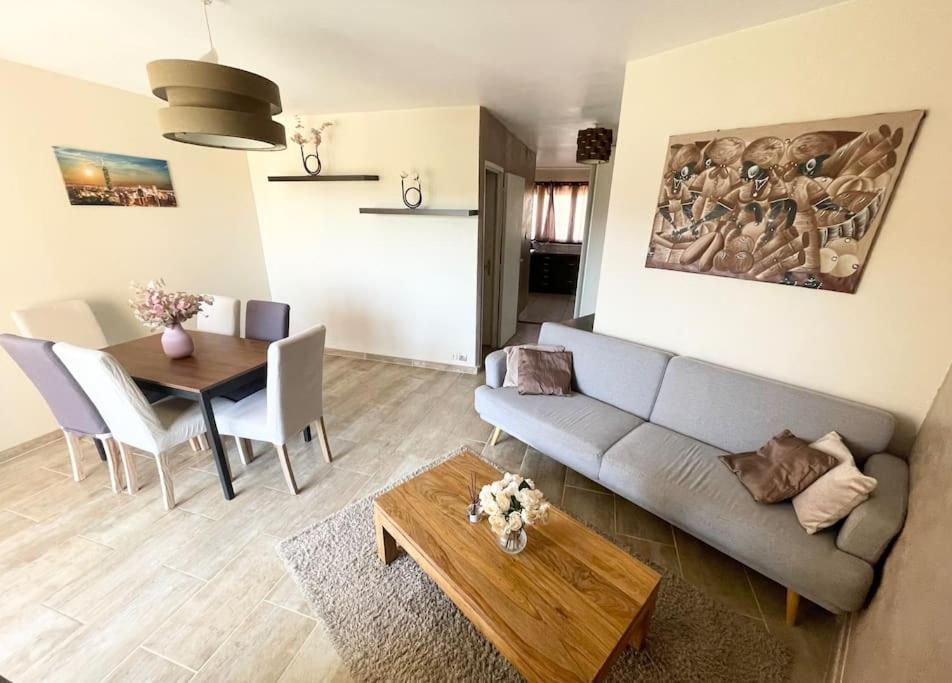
(154, 428)
(292, 400)
(70, 321)
(223, 316)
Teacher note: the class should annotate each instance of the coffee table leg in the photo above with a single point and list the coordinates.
(644, 621)
(386, 545)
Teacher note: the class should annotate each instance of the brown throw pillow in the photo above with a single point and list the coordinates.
(545, 372)
(781, 469)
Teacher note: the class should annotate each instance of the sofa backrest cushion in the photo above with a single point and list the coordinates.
(739, 412)
(617, 372)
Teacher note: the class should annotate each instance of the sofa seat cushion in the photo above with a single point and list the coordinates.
(576, 430)
(683, 481)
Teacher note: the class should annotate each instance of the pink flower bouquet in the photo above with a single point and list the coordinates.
(155, 307)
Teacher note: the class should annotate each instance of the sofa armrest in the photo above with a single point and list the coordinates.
(496, 368)
(871, 526)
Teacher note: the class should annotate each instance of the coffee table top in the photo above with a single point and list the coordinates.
(563, 609)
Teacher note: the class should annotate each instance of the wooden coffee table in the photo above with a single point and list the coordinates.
(562, 610)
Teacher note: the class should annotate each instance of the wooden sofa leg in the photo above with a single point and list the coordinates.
(793, 604)
(495, 436)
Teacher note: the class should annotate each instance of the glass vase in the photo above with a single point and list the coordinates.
(513, 543)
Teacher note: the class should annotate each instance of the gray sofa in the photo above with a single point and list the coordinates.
(648, 425)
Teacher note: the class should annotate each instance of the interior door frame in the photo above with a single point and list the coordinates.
(499, 232)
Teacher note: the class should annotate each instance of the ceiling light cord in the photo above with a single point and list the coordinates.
(212, 54)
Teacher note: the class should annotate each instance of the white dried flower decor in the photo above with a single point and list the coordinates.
(513, 503)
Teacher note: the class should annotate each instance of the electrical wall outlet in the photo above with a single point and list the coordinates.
(459, 357)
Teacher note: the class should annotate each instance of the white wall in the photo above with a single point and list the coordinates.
(52, 250)
(594, 246)
(399, 286)
(890, 343)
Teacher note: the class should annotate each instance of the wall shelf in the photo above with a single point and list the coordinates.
(422, 212)
(318, 178)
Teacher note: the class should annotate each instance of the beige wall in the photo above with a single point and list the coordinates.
(51, 250)
(906, 632)
(888, 344)
(400, 286)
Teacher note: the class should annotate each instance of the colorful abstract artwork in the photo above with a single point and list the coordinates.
(793, 204)
(104, 179)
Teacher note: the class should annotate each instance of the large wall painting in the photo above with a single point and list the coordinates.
(105, 179)
(795, 204)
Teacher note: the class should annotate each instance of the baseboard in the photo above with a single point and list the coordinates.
(396, 360)
(32, 444)
(837, 670)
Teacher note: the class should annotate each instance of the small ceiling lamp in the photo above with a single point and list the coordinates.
(594, 146)
(214, 105)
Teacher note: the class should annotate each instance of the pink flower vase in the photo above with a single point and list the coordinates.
(176, 343)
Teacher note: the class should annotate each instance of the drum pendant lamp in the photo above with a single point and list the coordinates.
(594, 146)
(215, 105)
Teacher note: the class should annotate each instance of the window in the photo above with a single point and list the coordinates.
(558, 212)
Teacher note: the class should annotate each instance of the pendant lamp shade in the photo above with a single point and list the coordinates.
(594, 146)
(216, 106)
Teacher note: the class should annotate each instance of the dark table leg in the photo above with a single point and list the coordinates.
(101, 449)
(221, 460)
(307, 434)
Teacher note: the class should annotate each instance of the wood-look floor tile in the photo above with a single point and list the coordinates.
(12, 524)
(717, 575)
(632, 520)
(547, 474)
(660, 553)
(286, 594)
(507, 454)
(30, 635)
(199, 627)
(22, 483)
(573, 478)
(97, 648)
(145, 667)
(595, 509)
(316, 660)
(74, 560)
(61, 498)
(260, 649)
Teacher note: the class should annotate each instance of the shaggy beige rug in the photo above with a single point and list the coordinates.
(392, 623)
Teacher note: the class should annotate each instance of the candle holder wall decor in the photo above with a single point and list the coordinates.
(413, 193)
(311, 162)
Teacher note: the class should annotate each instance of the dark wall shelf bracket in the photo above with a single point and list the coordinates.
(318, 178)
(421, 212)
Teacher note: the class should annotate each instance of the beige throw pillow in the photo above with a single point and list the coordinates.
(512, 361)
(834, 495)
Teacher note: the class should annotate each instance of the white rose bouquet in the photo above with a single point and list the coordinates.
(513, 503)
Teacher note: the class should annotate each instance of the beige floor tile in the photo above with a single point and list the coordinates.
(61, 498)
(260, 649)
(660, 553)
(29, 635)
(74, 560)
(97, 648)
(11, 524)
(18, 484)
(547, 474)
(716, 574)
(317, 660)
(573, 478)
(632, 520)
(199, 627)
(145, 667)
(813, 636)
(507, 454)
(595, 509)
(286, 594)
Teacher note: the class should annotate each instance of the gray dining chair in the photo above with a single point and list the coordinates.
(267, 320)
(74, 412)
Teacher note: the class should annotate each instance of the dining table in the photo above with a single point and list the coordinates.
(220, 364)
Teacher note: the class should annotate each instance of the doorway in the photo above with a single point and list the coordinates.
(491, 241)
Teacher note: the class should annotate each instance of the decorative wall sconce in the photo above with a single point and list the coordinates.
(412, 193)
(302, 137)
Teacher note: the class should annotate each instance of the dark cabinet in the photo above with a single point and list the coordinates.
(553, 273)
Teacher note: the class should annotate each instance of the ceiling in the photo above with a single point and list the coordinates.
(544, 67)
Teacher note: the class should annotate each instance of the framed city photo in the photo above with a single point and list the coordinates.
(105, 179)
